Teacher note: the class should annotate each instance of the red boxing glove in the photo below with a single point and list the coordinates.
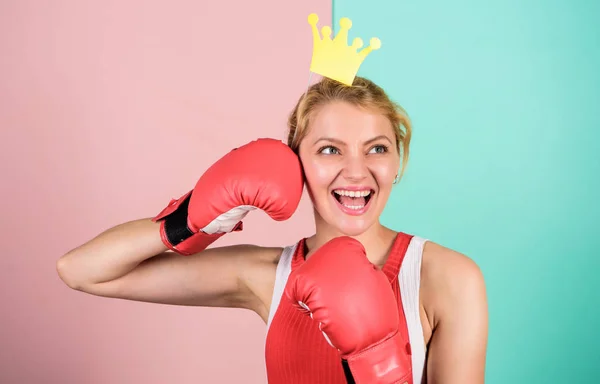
(356, 309)
(264, 174)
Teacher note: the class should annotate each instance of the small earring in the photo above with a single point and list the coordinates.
(396, 180)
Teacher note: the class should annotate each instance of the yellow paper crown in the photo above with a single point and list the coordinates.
(334, 58)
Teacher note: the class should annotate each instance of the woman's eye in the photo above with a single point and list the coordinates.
(379, 149)
(329, 150)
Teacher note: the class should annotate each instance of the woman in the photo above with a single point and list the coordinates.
(350, 142)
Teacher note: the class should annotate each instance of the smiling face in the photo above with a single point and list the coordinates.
(350, 161)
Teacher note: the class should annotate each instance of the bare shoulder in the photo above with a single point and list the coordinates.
(454, 297)
(450, 279)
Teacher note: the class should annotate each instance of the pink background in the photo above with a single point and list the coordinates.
(108, 109)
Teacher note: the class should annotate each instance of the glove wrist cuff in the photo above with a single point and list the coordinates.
(195, 243)
(388, 362)
(175, 232)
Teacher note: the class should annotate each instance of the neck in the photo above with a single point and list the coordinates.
(377, 240)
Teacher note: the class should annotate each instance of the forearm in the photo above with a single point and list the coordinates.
(111, 254)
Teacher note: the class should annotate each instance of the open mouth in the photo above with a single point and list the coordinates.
(353, 200)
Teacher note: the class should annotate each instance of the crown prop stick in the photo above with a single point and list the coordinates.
(334, 58)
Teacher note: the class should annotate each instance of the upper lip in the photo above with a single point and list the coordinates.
(354, 188)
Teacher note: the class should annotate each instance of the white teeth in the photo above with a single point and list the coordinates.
(343, 192)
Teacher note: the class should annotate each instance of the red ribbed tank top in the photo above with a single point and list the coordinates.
(296, 351)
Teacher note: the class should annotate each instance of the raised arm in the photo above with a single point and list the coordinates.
(130, 261)
(165, 259)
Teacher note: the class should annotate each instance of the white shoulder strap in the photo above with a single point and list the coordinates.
(284, 268)
(409, 278)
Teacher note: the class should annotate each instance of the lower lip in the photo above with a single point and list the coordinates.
(353, 212)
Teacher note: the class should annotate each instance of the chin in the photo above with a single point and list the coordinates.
(352, 231)
(349, 225)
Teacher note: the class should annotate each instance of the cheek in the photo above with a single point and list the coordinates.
(384, 174)
(319, 174)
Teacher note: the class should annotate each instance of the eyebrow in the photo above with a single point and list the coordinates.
(341, 142)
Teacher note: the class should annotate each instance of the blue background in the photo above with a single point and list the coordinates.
(504, 167)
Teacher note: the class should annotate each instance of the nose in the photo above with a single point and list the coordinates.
(355, 167)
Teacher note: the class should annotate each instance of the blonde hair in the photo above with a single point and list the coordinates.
(363, 93)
